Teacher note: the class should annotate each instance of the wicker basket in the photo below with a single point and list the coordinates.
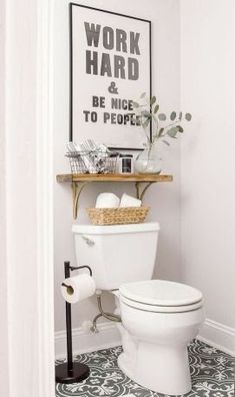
(117, 216)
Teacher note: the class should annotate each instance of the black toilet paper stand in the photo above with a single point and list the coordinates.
(71, 372)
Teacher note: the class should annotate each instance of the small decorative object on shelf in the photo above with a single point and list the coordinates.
(149, 161)
(91, 158)
(125, 164)
(147, 113)
(117, 216)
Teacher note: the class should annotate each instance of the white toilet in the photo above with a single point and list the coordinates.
(159, 318)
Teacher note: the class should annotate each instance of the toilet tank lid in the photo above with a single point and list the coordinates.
(116, 229)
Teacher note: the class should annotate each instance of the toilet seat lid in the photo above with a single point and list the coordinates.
(161, 309)
(160, 293)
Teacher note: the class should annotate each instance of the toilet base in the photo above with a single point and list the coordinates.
(162, 369)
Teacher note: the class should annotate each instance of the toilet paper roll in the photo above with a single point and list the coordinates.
(129, 201)
(107, 200)
(75, 289)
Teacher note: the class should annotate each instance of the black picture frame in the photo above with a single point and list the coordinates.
(71, 67)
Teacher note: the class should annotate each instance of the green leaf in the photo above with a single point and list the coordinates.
(162, 116)
(146, 123)
(172, 132)
(188, 117)
(161, 132)
(173, 116)
(153, 117)
(135, 105)
(156, 109)
(152, 100)
(180, 129)
(166, 143)
(143, 95)
(146, 114)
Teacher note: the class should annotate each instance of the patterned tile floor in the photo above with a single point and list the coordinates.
(213, 375)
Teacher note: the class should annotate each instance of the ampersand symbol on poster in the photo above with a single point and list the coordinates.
(112, 88)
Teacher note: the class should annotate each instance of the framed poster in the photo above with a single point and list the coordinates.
(110, 67)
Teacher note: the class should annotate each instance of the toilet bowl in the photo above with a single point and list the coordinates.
(159, 318)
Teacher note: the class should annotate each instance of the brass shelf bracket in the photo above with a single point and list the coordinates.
(77, 188)
(141, 192)
(142, 183)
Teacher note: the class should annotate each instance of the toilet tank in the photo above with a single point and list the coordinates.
(117, 254)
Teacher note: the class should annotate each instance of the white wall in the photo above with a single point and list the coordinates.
(208, 160)
(24, 302)
(20, 185)
(163, 198)
(195, 64)
(4, 376)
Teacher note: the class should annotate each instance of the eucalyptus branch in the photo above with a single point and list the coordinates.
(148, 110)
(171, 124)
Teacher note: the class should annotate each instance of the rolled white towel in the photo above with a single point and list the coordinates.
(107, 200)
(129, 201)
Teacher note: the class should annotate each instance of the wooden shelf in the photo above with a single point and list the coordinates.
(78, 182)
(113, 178)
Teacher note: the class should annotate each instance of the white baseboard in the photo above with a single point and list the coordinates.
(218, 335)
(86, 341)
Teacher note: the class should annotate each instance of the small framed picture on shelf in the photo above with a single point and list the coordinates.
(125, 164)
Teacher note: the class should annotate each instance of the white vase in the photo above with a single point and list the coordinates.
(148, 161)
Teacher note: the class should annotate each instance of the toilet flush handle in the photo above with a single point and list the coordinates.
(88, 241)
